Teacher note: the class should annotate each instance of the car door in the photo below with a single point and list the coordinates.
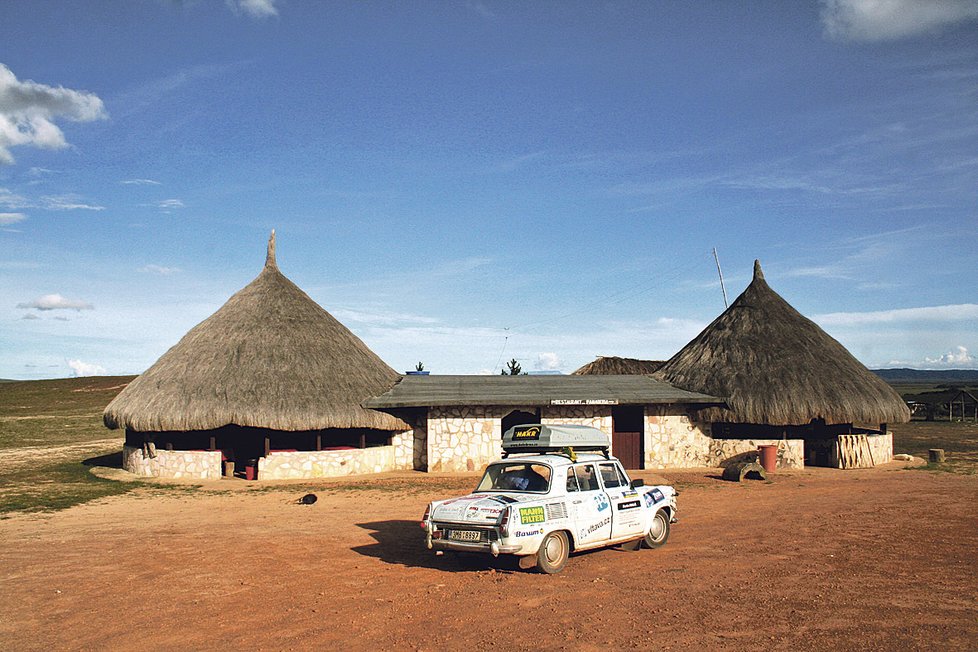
(627, 516)
(590, 507)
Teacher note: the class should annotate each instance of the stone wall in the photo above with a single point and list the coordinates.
(791, 452)
(463, 438)
(286, 465)
(420, 443)
(201, 465)
(675, 441)
(469, 438)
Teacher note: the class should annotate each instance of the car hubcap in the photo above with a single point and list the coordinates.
(554, 550)
(658, 527)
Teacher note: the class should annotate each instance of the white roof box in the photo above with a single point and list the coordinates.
(539, 438)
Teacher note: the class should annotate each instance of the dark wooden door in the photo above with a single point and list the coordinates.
(627, 447)
(628, 433)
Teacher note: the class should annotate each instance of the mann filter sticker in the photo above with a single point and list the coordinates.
(532, 515)
(631, 504)
(526, 433)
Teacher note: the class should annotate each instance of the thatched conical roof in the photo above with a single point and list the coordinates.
(270, 357)
(774, 366)
(609, 365)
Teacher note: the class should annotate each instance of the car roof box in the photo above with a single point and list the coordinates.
(556, 438)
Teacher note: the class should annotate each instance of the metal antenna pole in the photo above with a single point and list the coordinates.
(720, 274)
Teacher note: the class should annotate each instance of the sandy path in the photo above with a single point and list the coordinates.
(820, 559)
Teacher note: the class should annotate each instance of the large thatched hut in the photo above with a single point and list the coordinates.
(270, 384)
(610, 365)
(783, 376)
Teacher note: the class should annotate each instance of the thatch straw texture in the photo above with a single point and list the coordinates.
(615, 366)
(777, 367)
(271, 357)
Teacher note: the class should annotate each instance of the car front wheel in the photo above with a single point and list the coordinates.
(553, 553)
(658, 532)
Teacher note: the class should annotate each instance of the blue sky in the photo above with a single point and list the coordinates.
(462, 183)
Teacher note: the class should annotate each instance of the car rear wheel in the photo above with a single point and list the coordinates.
(658, 532)
(553, 553)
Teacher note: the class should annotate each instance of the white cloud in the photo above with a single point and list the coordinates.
(380, 318)
(140, 182)
(254, 8)
(167, 204)
(955, 312)
(12, 201)
(28, 109)
(80, 369)
(11, 218)
(30, 315)
(958, 357)
(55, 302)
(67, 203)
(881, 20)
(547, 362)
(159, 269)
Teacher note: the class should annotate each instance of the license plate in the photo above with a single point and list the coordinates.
(465, 535)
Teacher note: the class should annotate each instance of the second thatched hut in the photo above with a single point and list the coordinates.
(785, 378)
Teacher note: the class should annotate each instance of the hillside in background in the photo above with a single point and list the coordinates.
(928, 376)
(61, 396)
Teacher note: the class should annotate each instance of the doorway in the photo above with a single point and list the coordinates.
(628, 435)
(519, 418)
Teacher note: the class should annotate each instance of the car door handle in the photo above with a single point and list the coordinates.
(578, 502)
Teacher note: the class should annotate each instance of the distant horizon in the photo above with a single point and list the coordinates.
(965, 371)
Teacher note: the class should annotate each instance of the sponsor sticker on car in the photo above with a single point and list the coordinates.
(530, 515)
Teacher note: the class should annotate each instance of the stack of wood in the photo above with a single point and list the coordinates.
(855, 452)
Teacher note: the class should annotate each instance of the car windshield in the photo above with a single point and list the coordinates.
(516, 476)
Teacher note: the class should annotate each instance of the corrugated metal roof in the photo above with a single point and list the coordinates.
(428, 391)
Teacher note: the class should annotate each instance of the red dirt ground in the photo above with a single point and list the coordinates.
(819, 559)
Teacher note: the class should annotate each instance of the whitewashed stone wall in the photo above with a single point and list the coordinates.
(675, 441)
(201, 465)
(881, 447)
(468, 438)
(463, 438)
(287, 465)
(791, 452)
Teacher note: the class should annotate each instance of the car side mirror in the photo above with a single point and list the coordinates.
(638, 483)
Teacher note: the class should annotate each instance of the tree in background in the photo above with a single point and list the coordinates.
(513, 369)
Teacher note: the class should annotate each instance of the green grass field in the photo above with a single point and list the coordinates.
(51, 434)
(48, 430)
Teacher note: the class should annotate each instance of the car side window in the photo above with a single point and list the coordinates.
(587, 477)
(611, 476)
(572, 480)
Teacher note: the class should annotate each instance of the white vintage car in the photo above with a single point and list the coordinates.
(555, 491)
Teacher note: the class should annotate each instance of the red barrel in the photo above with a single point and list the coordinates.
(769, 457)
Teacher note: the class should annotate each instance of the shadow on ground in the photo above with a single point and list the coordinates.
(403, 543)
(109, 460)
